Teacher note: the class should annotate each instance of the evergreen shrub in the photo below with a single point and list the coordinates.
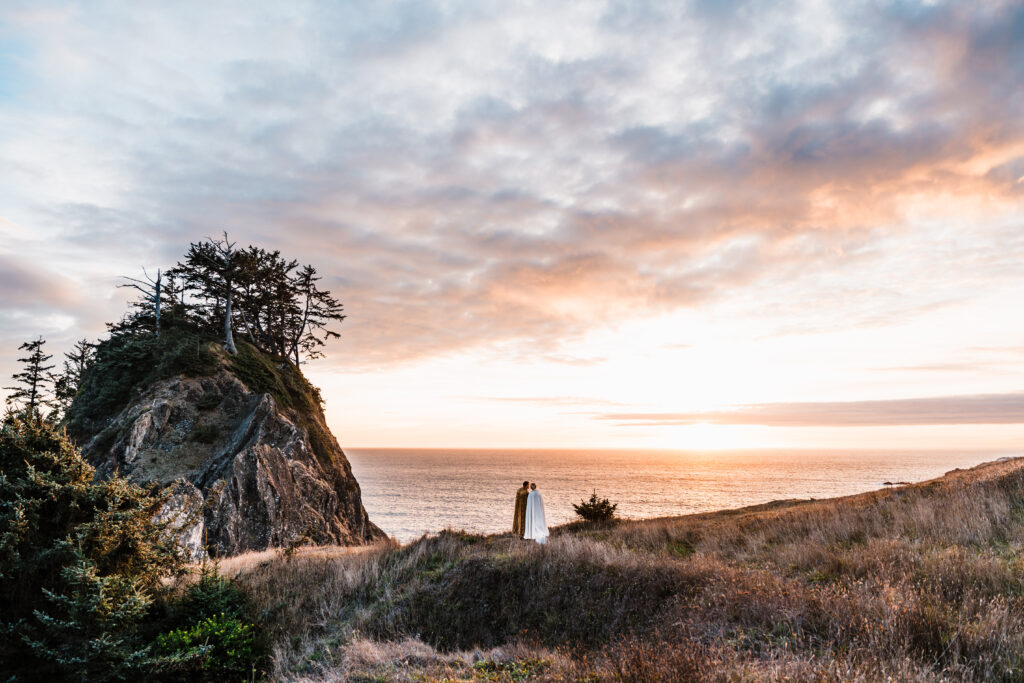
(596, 509)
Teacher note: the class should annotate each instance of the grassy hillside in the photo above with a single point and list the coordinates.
(922, 582)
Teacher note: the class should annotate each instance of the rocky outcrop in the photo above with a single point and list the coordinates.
(247, 473)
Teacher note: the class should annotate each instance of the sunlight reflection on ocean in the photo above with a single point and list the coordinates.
(411, 492)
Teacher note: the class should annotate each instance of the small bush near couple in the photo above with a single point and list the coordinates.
(596, 509)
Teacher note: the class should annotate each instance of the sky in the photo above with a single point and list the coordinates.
(705, 224)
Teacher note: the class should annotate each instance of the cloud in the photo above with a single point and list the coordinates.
(552, 400)
(30, 285)
(468, 175)
(940, 410)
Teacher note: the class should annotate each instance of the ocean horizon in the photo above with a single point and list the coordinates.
(411, 492)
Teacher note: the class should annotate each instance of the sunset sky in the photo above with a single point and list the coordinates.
(669, 225)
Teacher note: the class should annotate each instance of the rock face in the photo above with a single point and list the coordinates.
(247, 474)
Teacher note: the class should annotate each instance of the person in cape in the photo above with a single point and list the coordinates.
(519, 518)
(536, 527)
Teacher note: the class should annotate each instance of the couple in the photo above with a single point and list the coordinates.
(529, 521)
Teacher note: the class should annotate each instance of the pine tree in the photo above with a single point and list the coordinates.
(90, 627)
(69, 381)
(152, 297)
(264, 296)
(29, 396)
(80, 560)
(276, 304)
(309, 331)
(210, 269)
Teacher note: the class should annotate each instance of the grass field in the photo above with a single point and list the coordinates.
(920, 582)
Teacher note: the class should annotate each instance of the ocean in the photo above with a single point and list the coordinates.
(412, 492)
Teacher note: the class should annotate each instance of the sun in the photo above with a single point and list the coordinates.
(704, 436)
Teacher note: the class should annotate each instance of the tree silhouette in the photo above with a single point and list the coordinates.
(151, 295)
(210, 270)
(29, 392)
(69, 381)
(309, 331)
(277, 304)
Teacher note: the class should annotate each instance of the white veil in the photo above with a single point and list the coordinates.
(536, 524)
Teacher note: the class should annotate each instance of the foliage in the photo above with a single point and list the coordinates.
(83, 570)
(30, 396)
(207, 633)
(131, 359)
(212, 594)
(278, 304)
(78, 559)
(217, 648)
(88, 628)
(152, 296)
(596, 509)
(265, 374)
(67, 384)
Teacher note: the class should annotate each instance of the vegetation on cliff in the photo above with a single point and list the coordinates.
(923, 582)
(93, 579)
(185, 320)
(91, 583)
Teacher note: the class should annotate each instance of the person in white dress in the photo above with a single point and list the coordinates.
(536, 524)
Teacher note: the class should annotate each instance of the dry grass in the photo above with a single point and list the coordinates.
(923, 582)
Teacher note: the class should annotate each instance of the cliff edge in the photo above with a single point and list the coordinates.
(247, 450)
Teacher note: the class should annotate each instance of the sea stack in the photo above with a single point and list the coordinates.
(248, 452)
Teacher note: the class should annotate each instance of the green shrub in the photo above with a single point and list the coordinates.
(80, 561)
(218, 648)
(596, 509)
(267, 374)
(212, 594)
(207, 632)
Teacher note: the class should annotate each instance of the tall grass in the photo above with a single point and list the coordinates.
(923, 582)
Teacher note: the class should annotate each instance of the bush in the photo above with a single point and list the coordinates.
(218, 648)
(80, 561)
(596, 509)
(83, 569)
(207, 632)
(212, 594)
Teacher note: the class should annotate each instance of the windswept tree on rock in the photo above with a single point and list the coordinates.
(218, 292)
(264, 300)
(276, 303)
(210, 270)
(319, 309)
(30, 394)
(152, 296)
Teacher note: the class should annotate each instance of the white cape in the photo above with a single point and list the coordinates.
(536, 524)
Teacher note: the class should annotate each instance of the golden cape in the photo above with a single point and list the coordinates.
(519, 519)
